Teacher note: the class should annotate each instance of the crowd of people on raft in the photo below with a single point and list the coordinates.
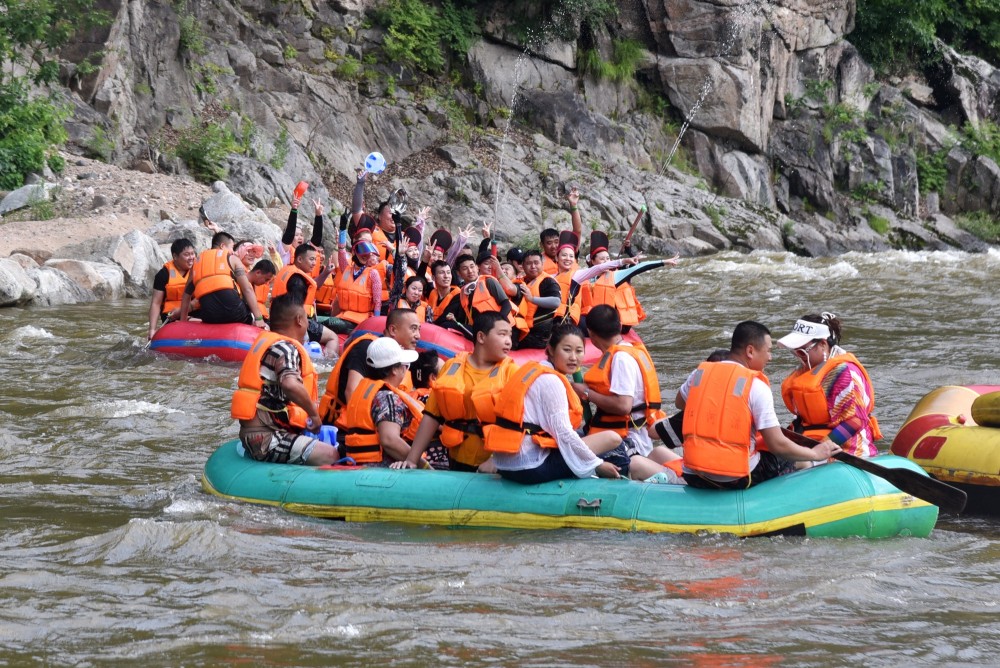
(480, 410)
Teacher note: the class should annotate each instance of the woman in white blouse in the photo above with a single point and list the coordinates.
(547, 401)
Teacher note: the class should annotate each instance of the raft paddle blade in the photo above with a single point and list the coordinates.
(922, 486)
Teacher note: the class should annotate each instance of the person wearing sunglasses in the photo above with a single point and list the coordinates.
(830, 394)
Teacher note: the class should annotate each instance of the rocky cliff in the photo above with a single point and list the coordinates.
(793, 143)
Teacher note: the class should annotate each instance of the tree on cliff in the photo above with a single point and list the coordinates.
(900, 34)
(31, 119)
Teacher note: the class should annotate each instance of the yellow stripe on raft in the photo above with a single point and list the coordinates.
(495, 519)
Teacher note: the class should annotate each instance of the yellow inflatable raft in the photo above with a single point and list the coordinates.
(953, 433)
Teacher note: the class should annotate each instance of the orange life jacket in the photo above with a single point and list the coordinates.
(438, 305)
(384, 246)
(422, 310)
(354, 295)
(565, 280)
(482, 301)
(280, 286)
(383, 271)
(525, 319)
(326, 293)
(263, 292)
(212, 272)
(331, 404)
(802, 392)
(174, 292)
(361, 437)
(507, 433)
(598, 378)
(549, 266)
(602, 290)
(717, 420)
(250, 383)
(463, 409)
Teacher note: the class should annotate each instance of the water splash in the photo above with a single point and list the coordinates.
(739, 19)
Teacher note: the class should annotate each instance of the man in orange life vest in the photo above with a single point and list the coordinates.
(481, 293)
(381, 418)
(461, 393)
(297, 278)
(443, 298)
(169, 284)
(213, 282)
(275, 399)
(401, 325)
(624, 388)
(601, 289)
(537, 302)
(729, 418)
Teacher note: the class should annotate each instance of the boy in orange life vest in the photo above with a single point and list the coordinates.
(401, 325)
(536, 304)
(626, 392)
(277, 390)
(213, 280)
(296, 278)
(380, 417)
(169, 284)
(443, 298)
(727, 407)
(455, 402)
(480, 294)
(261, 277)
(830, 395)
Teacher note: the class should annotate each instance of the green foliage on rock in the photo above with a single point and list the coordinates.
(421, 34)
(899, 34)
(932, 170)
(204, 148)
(625, 59)
(983, 224)
(30, 121)
(982, 140)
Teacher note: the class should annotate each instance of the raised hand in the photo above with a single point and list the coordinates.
(319, 207)
(573, 196)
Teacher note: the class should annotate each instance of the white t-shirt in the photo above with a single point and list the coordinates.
(761, 403)
(626, 381)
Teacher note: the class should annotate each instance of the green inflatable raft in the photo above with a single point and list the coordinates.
(834, 500)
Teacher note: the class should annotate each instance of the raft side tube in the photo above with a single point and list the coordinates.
(840, 500)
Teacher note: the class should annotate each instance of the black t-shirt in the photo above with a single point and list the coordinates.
(161, 279)
(356, 360)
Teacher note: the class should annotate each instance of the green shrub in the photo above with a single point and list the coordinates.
(418, 33)
(932, 170)
(626, 54)
(57, 163)
(29, 128)
(879, 224)
(204, 149)
(282, 145)
(192, 39)
(984, 140)
(983, 224)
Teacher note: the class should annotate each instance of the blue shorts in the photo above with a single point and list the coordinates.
(553, 468)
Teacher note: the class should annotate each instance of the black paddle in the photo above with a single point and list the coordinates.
(916, 484)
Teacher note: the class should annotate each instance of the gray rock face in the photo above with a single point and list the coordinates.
(759, 82)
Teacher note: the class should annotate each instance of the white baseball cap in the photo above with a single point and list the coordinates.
(803, 332)
(385, 352)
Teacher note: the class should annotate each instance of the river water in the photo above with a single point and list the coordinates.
(112, 554)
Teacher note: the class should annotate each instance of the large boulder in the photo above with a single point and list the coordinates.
(104, 281)
(16, 286)
(27, 196)
(138, 255)
(967, 84)
(55, 287)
